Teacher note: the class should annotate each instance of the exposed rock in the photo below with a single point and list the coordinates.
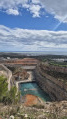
(52, 110)
(57, 90)
(26, 115)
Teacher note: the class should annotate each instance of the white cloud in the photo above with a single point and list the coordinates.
(12, 11)
(56, 7)
(24, 39)
(35, 10)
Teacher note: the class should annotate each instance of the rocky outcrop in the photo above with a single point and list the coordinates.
(56, 89)
(8, 74)
(51, 110)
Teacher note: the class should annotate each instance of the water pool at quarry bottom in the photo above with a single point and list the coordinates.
(33, 89)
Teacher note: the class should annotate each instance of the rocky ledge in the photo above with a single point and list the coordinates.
(48, 110)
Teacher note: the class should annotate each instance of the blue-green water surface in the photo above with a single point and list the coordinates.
(33, 89)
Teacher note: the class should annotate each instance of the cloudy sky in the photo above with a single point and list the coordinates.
(33, 25)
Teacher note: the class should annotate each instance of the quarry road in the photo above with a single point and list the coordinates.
(9, 75)
(28, 67)
(9, 80)
(31, 77)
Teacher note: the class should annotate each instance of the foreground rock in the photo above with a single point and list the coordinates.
(49, 110)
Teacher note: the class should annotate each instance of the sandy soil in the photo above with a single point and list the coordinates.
(31, 100)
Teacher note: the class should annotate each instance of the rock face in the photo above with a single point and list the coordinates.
(56, 89)
(56, 68)
(7, 73)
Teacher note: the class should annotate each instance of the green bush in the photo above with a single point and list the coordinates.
(3, 87)
(8, 97)
(64, 117)
(12, 97)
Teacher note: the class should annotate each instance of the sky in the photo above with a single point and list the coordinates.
(33, 25)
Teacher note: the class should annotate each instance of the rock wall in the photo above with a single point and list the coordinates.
(55, 68)
(8, 74)
(56, 89)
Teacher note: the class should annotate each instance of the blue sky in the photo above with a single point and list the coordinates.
(33, 25)
(26, 21)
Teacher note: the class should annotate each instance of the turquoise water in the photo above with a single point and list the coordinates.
(34, 89)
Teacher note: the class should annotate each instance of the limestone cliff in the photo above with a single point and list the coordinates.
(56, 87)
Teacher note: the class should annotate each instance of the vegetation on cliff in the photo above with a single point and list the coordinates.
(3, 87)
(55, 63)
(8, 97)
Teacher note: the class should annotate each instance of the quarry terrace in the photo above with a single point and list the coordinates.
(24, 61)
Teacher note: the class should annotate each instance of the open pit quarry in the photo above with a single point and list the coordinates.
(51, 79)
(54, 86)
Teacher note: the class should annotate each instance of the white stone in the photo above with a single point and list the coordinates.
(11, 117)
(26, 115)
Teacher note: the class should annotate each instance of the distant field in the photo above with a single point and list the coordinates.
(61, 64)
